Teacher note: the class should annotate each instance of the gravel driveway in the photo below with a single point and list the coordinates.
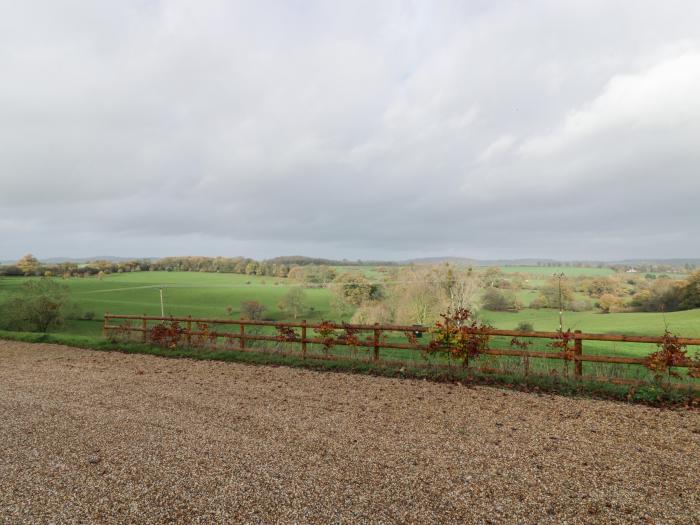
(96, 437)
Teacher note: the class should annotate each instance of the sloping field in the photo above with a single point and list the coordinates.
(98, 437)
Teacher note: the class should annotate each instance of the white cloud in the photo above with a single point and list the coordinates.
(497, 148)
(351, 130)
(663, 98)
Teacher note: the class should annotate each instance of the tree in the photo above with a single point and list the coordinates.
(492, 277)
(413, 297)
(661, 296)
(689, 293)
(420, 293)
(601, 286)
(296, 274)
(549, 295)
(38, 305)
(417, 301)
(252, 310)
(293, 302)
(376, 312)
(28, 264)
(251, 268)
(312, 274)
(354, 289)
(461, 290)
(11, 269)
(609, 303)
(500, 301)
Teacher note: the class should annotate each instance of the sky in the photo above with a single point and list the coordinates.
(350, 129)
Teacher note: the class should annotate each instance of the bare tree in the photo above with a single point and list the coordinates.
(422, 293)
(293, 302)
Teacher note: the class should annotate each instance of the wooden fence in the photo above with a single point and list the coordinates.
(376, 339)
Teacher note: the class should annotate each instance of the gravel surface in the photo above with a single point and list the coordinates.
(96, 437)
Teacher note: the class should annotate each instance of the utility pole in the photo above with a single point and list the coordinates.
(560, 276)
(162, 308)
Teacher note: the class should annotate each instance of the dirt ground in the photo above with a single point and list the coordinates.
(96, 437)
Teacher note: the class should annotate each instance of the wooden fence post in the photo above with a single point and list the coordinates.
(105, 330)
(578, 351)
(144, 327)
(189, 330)
(376, 342)
(526, 365)
(303, 339)
(242, 338)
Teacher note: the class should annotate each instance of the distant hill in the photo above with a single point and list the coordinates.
(481, 262)
(440, 260)
(465, 261)
(302, 260)
(670, 262)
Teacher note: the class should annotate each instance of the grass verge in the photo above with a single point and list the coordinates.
(651, 394)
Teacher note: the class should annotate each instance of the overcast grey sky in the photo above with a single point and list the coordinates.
(488, 129)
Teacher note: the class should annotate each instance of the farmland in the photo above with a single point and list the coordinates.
(185, 293)
(209, 294)
(219, 295)
(546, 271)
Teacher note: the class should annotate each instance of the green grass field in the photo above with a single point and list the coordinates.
(208, 295)
(185, 293)
(683, 323)
(371, 272)
(547, 271)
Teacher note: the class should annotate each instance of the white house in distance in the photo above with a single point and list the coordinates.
(632, 270)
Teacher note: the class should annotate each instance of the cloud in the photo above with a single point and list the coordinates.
(488, 129)
(497, 148)
(661, 98)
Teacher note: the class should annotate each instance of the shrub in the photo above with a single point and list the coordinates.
(458, 336)
(671, 353)
(38, 305)
(328, 335)
(11, 270)
(581, 305)
(167, 335)
(252, 310)
(525, 326)
(537, 303)
(499, 301)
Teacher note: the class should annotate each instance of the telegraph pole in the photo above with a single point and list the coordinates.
(560, 276)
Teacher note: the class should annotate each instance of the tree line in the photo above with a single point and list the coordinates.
(30, 265)
(276, 267)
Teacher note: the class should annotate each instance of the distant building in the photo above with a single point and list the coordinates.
(631, 270)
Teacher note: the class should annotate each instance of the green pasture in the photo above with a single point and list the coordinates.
(208, 294)
(570, 271)
(373, 273)
(185, 293)
(686, 324)
(638, 323)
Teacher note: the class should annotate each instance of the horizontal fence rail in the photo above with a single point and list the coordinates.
(375, 339)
